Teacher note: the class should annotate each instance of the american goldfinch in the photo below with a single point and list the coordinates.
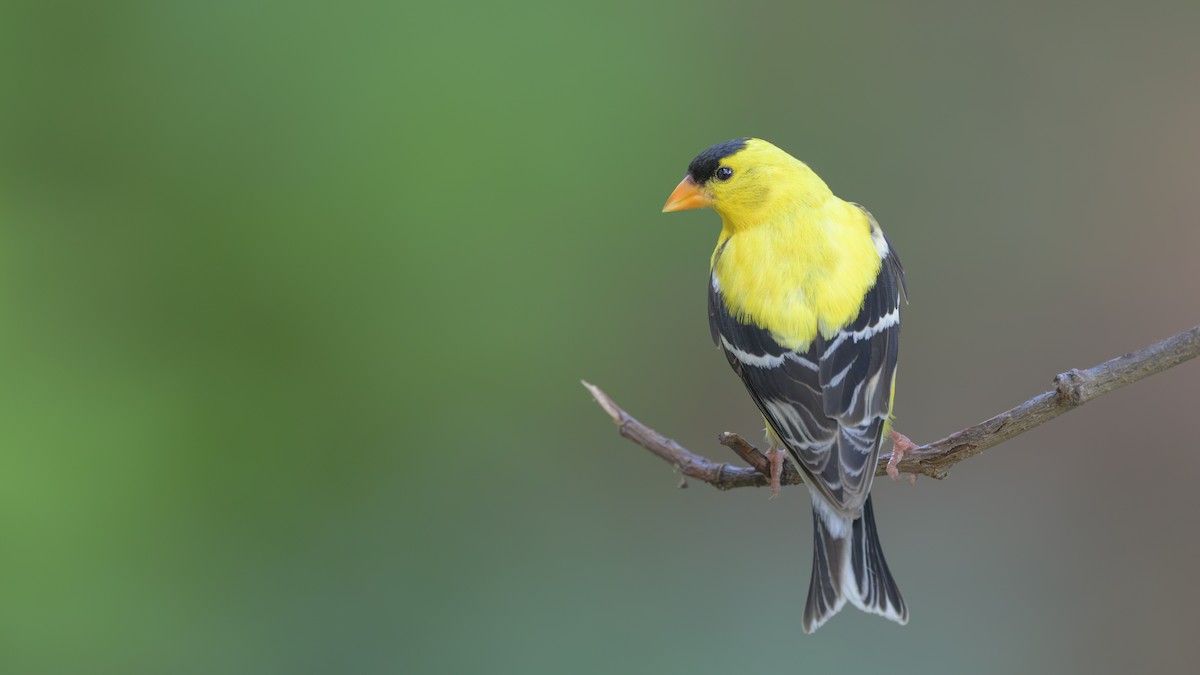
(804, 299)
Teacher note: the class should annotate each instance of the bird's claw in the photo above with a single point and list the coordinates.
(901, 446)
(776, 457)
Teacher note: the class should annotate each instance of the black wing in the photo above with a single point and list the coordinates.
(828, 404)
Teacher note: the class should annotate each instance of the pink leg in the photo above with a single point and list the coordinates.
(776, 457)
(901, 446)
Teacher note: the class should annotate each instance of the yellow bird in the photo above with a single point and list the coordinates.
(804, 299)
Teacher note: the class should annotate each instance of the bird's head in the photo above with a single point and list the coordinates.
(747, 181)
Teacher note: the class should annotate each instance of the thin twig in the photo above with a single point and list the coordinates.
(1071, 390)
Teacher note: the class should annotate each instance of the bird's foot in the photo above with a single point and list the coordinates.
(901, 446)
(776, 457)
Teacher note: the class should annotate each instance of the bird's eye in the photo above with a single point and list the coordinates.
(724, 173)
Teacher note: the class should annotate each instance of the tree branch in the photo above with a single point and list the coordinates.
(1071, 390)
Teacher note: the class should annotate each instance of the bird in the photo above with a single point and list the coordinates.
(804, 300)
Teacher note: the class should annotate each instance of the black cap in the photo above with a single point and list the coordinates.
(705, 165)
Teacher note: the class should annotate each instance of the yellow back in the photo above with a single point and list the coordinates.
(796, 260)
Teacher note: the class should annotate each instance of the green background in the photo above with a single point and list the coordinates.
(295, 302)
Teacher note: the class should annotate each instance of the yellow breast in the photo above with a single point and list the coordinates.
(805, 272)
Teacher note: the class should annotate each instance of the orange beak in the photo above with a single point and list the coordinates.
(687, 195)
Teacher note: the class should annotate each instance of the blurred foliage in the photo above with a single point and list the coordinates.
(295, 298)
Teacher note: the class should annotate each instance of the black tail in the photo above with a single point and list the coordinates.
(849, 567)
